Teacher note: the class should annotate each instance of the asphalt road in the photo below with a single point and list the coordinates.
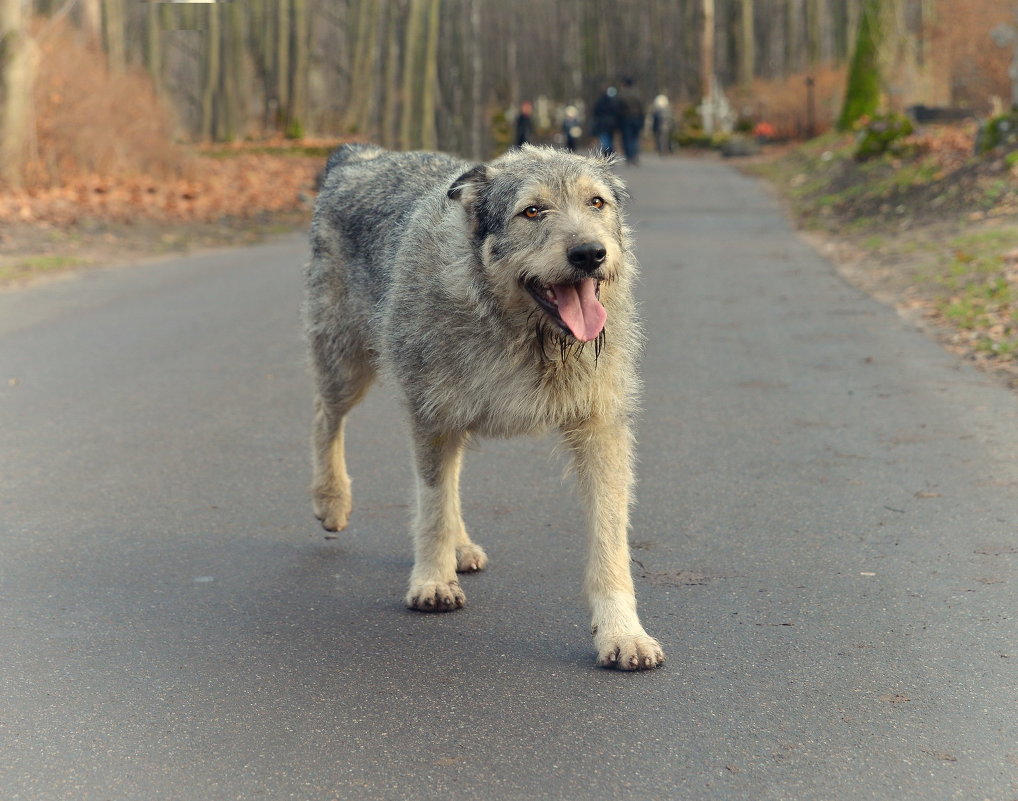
(825, 533)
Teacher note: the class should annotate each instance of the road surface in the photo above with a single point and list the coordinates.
(826, 539)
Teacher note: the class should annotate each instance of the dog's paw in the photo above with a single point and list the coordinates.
(436, 596)
(470, 558)
(629, 652)
(333, 512)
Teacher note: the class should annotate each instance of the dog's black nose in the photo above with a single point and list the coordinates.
(586, 256)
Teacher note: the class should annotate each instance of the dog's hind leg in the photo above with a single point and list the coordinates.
(604, 468)
(330, 489)
(441, 544)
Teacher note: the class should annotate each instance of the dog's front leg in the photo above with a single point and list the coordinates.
(603, 454)
(438, 526)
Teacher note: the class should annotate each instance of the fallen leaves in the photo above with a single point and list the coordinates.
(244, 186)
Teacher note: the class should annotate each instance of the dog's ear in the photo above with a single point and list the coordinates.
(619, 188)
(466, 187)
(607, 161)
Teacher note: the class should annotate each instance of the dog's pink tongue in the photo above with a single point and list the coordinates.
(580, 309)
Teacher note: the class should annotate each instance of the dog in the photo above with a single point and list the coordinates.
(497, 297)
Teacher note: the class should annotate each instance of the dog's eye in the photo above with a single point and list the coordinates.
(532, 212)
(597, 202)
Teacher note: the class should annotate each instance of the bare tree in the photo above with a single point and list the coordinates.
(297, 70)
(18, 60)
(210, 72)
(114, 33)
(365, 65)
(412, 83)
(476, 87)
(746, 42)
(92, 18)
(707, 61)
(389, 91)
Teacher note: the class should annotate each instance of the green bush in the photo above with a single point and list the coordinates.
(294, 129)
(882, 134)
(744, 125)
(997, 132)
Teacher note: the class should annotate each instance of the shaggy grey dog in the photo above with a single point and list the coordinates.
(497, 297)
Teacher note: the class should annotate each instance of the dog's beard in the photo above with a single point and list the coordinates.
(549, 334)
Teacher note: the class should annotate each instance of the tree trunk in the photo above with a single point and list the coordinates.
(227, 102)
(18, 61)
(365, 68)
(429, 95)
(390, 83)
(747, 55)
(210, 73)
(707, 66)
(92, 18)
(793, 36)
(862, 91)
(154, 46)
(298, 72)
(815, 23)
(281, 62)
(113, 34)
(409, 129)
(477, 85)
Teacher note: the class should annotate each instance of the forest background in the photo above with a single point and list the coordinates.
(111, 85)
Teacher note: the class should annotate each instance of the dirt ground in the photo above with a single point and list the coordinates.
(34, 252)
(222, 196)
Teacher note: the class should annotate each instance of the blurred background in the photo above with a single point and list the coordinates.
(449, 74)
(204, 109)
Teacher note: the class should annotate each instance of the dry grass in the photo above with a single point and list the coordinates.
(91, 121)
(104, 149)
(783, 102)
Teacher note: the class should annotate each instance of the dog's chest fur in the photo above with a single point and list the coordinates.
(495, 392)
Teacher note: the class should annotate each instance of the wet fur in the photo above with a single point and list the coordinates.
(417, 271)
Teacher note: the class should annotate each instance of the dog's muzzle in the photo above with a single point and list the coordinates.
(575, 307)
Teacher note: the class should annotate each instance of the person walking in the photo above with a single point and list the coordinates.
(605, 119)
(663, 123)
(631, 114)
(524, 123)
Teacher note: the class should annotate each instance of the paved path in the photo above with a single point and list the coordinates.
(826, 529)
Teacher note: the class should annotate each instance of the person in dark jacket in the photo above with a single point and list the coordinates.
(605, 119)
(524, 123)
(631, 115)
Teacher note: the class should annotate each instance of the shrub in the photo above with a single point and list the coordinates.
(882, 134)
(997, 132)
(782, 102)
(93, 121)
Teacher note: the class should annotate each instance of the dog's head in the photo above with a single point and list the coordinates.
(551, 240)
